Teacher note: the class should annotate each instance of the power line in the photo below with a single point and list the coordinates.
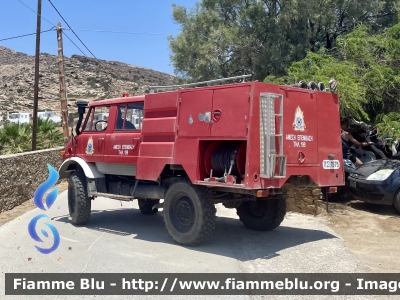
(111, 31)
(74, 44)
(37, 13)
(53, 26)
(19, 36)
(71, 29)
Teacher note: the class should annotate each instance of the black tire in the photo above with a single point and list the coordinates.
(396, 201)
(262, 215)
(146, 206)
(79, 204)
(189, 213)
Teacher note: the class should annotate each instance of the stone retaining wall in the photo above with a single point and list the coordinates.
(303, 199)
(22, 173)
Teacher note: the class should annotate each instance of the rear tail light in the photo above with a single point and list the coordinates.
(332, 190)
(262, 193)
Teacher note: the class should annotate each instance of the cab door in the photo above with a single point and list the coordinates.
(91, 142)
(123, 142)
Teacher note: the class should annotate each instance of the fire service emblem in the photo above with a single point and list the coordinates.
(298, 123)
(89, 147)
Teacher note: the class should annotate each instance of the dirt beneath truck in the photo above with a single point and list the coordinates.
(370, 231)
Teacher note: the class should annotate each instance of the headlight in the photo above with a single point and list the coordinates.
(381, 175)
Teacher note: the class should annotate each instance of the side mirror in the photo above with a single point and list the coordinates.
(71, 120)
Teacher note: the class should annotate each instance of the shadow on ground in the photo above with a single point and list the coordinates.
(387, 210)
(230, 238)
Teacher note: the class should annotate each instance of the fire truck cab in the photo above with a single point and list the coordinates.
(243, 144)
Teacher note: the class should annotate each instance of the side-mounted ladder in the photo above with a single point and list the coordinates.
(272, 160)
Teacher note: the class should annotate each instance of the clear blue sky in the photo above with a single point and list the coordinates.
(145, 50)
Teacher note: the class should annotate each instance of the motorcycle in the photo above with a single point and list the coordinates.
(378, 150)
(361, 132)
(395, 150)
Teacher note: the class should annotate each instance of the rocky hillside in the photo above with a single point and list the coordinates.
(86, 78)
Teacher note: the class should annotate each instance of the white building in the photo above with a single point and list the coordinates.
(136, 118)
(136, 121)
(19, 118)
(51, 115)
(100, 117)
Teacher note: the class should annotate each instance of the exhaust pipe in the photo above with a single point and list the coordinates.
(159, 205)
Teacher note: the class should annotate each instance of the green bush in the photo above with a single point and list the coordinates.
(15, 138)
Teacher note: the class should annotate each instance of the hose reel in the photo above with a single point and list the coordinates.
(225, 158)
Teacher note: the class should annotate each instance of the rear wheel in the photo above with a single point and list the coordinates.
(146, 206)
(262, 215)
(79, 204)
(189, 213)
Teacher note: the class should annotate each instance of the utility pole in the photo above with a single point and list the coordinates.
(63, 91)
(36, 87)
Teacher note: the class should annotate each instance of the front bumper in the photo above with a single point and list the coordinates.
(378, 192)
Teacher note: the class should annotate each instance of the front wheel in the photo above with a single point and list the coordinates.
(262, 215)
(79, 204)
(189, 213)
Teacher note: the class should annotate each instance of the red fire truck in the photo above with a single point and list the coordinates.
(239, 144)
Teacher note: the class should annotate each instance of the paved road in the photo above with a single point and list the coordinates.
(121, 239)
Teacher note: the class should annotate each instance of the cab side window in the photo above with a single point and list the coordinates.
(89, 120)
(129, 116)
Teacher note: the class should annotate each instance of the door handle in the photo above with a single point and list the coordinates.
(136, 139)
(101, 139)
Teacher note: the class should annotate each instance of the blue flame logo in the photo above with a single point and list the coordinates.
(37, 199)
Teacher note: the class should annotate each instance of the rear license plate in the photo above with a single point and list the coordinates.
(353, 184)
(331, 164)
